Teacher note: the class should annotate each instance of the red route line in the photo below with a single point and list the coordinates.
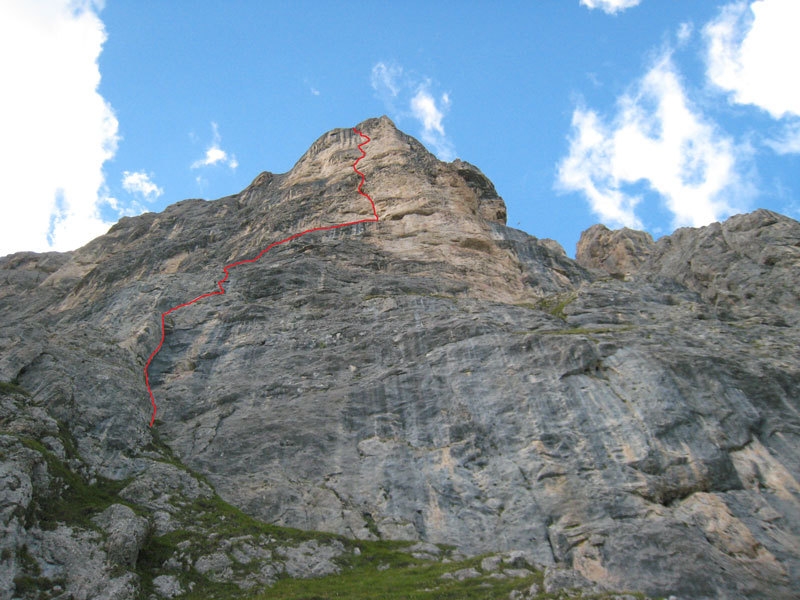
(226, 268)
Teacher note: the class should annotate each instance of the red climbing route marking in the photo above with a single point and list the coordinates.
(227, 268)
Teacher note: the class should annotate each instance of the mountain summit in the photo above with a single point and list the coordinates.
(629, 420)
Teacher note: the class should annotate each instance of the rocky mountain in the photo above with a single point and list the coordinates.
(625, 421)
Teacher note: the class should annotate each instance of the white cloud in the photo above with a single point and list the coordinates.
(752, 53)
(396, 87)
(215, 154)
(789, 140)
(57, 130)
(425, 110)
(610, 6)
(659, 139)
(314, 91)
(685, 31)
(385, 79)
(139, 182)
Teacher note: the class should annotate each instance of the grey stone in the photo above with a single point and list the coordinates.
(167, 586)
(126, 534)
(519, 559)
(75, 557)
(557, 579)
(462, 574)
(246, 553)
(311, 559)
(491, 564)
(515, 573)
(216, 566)
(164, 487)
(266, 575)
(425, 548)
(163, 523)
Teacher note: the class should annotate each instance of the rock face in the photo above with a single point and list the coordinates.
(630, 419)
(617, 252)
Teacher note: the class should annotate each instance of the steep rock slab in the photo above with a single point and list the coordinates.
(438, 375)
(618, 252)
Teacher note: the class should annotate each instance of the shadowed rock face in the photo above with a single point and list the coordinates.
(440, 376)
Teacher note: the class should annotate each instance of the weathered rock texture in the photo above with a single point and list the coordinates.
(617, 252)
(437, 376)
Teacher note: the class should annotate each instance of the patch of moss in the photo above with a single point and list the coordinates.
(70, 447)
(25, 585)
(528, 305)
(13, 387)
(166, 455)
(372, 527)
(28, 563)
(587, 331)
(70, 500)
(556, 304)
(30, 583)
(156, 551)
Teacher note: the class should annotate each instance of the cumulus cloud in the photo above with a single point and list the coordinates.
(385, 79)
(58, 131)
(426, 110)
(657, 138)
(404, 94)
(139, 182)
(749, 54)
(610, 6)
(215, 154)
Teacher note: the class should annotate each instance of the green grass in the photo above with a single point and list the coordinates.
(13, 387)
(528, 305)
(381, 569)
(413, 582)
(71, 500)
(556, 304)
(207, 521)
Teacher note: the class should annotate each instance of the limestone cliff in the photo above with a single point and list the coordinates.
(629, 418)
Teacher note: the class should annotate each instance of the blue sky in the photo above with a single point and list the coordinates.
(646, 113)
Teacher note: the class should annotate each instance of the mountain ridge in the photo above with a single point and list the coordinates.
(628, 420)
